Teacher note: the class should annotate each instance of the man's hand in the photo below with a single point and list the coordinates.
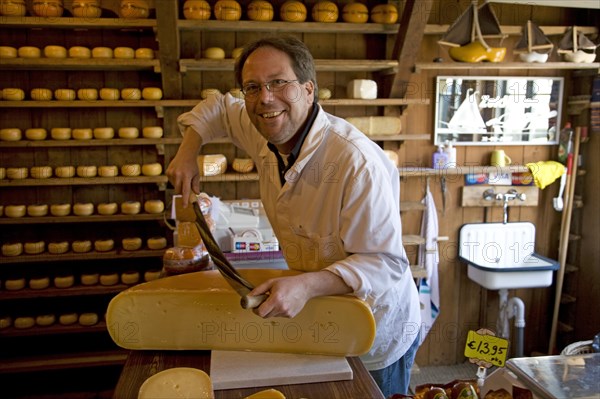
(183, 170)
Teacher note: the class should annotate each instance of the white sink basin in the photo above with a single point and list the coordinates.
(502, 256)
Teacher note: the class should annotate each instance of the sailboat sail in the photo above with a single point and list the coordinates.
(533, 39)
(574, 40)
(473, 24)
(467, 118)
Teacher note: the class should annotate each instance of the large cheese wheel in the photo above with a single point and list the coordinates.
(14, 284)
(104, 245)
(131, 243)
(131, 170)
(64, 281)
(130, 277)
(13, 8)
(17, 173)
(377, 125)
(11, 134)
(29, 52)
(39, 283)
(108, 171)
(104, 133)
(83, 208)
(65, 94)
(90, 278)
(212, 164)
(81, 246)
(128, 132)
(2, 176)
(80, 52)
(152, 132)
(24, 322)
(15, 211)
(107, 208)
(156, 242)
(45, 320)
(260, 10)
(228, 10)
(362, 88)
(86, 9)
(214, 53)
(82, 133)
(243, 165)
(151, 169)
(60, 133)
(178, 382)
(109, 94)
(41, 172)
(144, 53)
(5, 322)
(87, 171)
(109, 279)
(55, 52)
(58, 248)
(130, 207)
(87, 94)
(154, 206)
(152, 93)
(36, 134)
(48, 8)
(124, 53)
(384, 14)
(355, 12)
(150, 275)
(8, 52)
(88, 319)
(60, 209)
(13, 94)
(325, 11)
(34, 247)
(67, 319)
(37, 210)
(64, 172)
(134, 9)
(236, 52)
(324, 93)
(196, 9)
(131, 94)
(41, 94)
(293, 11)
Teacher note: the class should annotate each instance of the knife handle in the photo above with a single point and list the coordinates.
(252, 301)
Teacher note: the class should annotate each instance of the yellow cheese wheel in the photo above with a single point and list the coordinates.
(90, 278)
(104, 245)
(5, 322)
(150, 275)
(243, 165)
(11, 134)
(39, 283)
(66, 319)
(132, 9)
(102, 52)
(81, 246)
(17, 173)
(87, 94)
(40, 172)
(152, 132)
(228, 10)
(41, 94)
(8, 52)
(83, 208)
(293, 11)
(144, 53)
(64, 172)
(65, 94)
(13, 8)
(384, 14)
(14, 284)
(177, 382)
(87, 171)
(196, 9)
(88, 319)
(13, 94)
(130, 207)
(103, 133)
(58, 248)
(82, 133)
(128, 132)
(36, 134)
(29, 52)
(15, 211)
(325, 11)
(60, 133)
(48, 8)
(131, 170)
(24, 322)
(214, 53)
(236, 52)
(55, 52)
(2, 176)
(152, 93)
(355, 12)
(60, 209)
(124, 53)
(108, 170)
(109, 94)
(205, 93)
(152, 169)
(86, 9)
(130, 277)
(154, 206)
(131, 243)
(260, 10)
(80, 52)
(108, 208)
(45, 320)
(37, 210)
(64, 281)
(324, 93)
(34, 247)
(109, 279)
(131, 94)
(156, 242)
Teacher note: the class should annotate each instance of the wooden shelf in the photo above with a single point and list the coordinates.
(458, 66)
(89, 143)
(230, 177)
(75, 64)
(64, 361)
(86, 104)
(53, 329)
(92, 255)
(83, 181)
(77, 23)
(335, 65)
(517, 30)
(81, 219)
(459, 170)
(52, 292)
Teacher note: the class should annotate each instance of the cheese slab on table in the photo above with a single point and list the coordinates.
(200, 311)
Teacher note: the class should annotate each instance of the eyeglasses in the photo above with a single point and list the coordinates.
(252, 89)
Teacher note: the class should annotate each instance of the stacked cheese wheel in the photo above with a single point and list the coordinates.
(152, 206)
(84, 93)
(67, 133)
(81, 52)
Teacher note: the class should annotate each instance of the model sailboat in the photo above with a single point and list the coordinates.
(467, 35)
(576, 47)
(534, 45)
(467, 117)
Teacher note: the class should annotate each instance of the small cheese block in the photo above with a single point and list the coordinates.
(104, 245)
(17, 173)
(144, 53)
(5, 322)
(87, 171)
(15, 211)
(154, 206)
(151, 275)
(60, 209)
(377, 125)
(37, 210)
(131, 170)
(81, 246)
(36, 134)
(11, 134)
(131, 207)
(87, 94)
(65, 94)
(80, 52)
(243, 165)
(156, 242)
(90, 278)
(60, 133)
(29, 52)
(130, 277)
(14, 284)
(107, 208)
(109, 279)
(152, 169)
(64, 281)
(201, 310)
(66, 319)
(83, 208)
(124, 53)
(152, 93)
(58, 248)
(177, 382)
(152, 132)
(40, 172)
(108, 171)
(45, 320)
(131, 243)
(82, 134)
(212, 164)
(109, 94)
(102, 52)
(39, 283)
(128, 132)
(131, 94)
(34, 247)
(8, 52)
(41, 94)
(55, 52)
(24, 322)
(13, 94)
(214, 53)
(362, 88)
(64, 171)
(88, 319)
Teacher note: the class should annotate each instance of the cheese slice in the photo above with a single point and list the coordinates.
(200, 311)
(177, 382)
(377, 125)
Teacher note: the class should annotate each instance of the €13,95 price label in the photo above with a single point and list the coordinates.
(487, 348)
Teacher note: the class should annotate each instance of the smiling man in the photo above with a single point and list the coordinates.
(330, 193)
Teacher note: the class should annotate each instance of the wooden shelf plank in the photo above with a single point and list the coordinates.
(64, 361)
(337, 65)
(85, 104)
(53, 329)
(78, 290)
(89, 143)
(349, 102)
(92, 255)
(412, 239)
(453, 66)
(81, 219)
(459, 170)
(75, 64)
(517, 30)
(406, 206)
(77, 23)
(83, 181)
(230, 177)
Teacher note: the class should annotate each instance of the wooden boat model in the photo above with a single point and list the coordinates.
(467, 36)
(576, 47)
(534, 45)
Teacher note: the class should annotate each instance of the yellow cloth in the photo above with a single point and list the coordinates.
(545, 172)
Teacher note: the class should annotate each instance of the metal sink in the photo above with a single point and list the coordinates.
(502, 256)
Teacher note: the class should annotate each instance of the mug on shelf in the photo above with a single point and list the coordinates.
(499, 158)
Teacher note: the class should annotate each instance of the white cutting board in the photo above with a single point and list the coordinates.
(234, 369)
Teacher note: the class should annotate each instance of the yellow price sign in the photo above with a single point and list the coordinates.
(486, 348)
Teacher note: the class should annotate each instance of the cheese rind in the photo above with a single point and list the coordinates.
(200, 311)
(178, 382)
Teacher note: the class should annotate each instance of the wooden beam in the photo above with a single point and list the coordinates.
(168, 43)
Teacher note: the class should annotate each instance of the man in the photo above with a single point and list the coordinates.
(330, 193)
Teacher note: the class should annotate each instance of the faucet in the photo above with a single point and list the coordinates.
(510, 195)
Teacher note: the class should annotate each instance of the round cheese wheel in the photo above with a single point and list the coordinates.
(87, 171)
(14, 284)
(8, 52)
(214, 53)
(17, 173)
(2, 176)
(144, 53)
(88, 319)
(87, 94)
(24, 322)
(15, 211)
(196, 9)
(58, 248)
(131, 170)
(67, 319)
(293, 11)
(83, 209)
(65, 94)
(124, 53)
(228, 10)
(45, 320)
(64, 172)
(41, 94)
(131, 243)
(152, 169)
(150, 275)
(260, 10)
(109, 279)
(5, 322)
(39, 283)
(29, 52)
(35, 247)
(243, 165)
(80, 52)
(41, 172)
(154, 206)
(64, 281)
(131, 94)
(81, 246)
(60, 133)
(108, 208)
(13, 94)
(13, 8)
(156, 242)
(90, 278)
(48, 8)
(152, 93)
(132, 9)
(102, 52)
(55, 52)
(384, 14)
(325, 11)
(11, 134)
(108, 170)
(60, 209)
(205, 93)
(177, 382)
(324, 93)
(109, 94)
(236, 52)
(103, 133)
(128, 132)
(84, 9)
(355, 12)
(104, 245)
(36, 133)
(37, 210)
(130, 207)
(152, 132)
(82, 133)
(130, 277)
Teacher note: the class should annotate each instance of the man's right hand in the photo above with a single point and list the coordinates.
(183, 172)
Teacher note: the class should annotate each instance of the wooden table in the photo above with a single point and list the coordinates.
(142, 364)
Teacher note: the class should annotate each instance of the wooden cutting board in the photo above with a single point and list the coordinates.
(234, 369)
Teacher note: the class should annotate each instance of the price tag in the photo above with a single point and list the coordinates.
(486, 348)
